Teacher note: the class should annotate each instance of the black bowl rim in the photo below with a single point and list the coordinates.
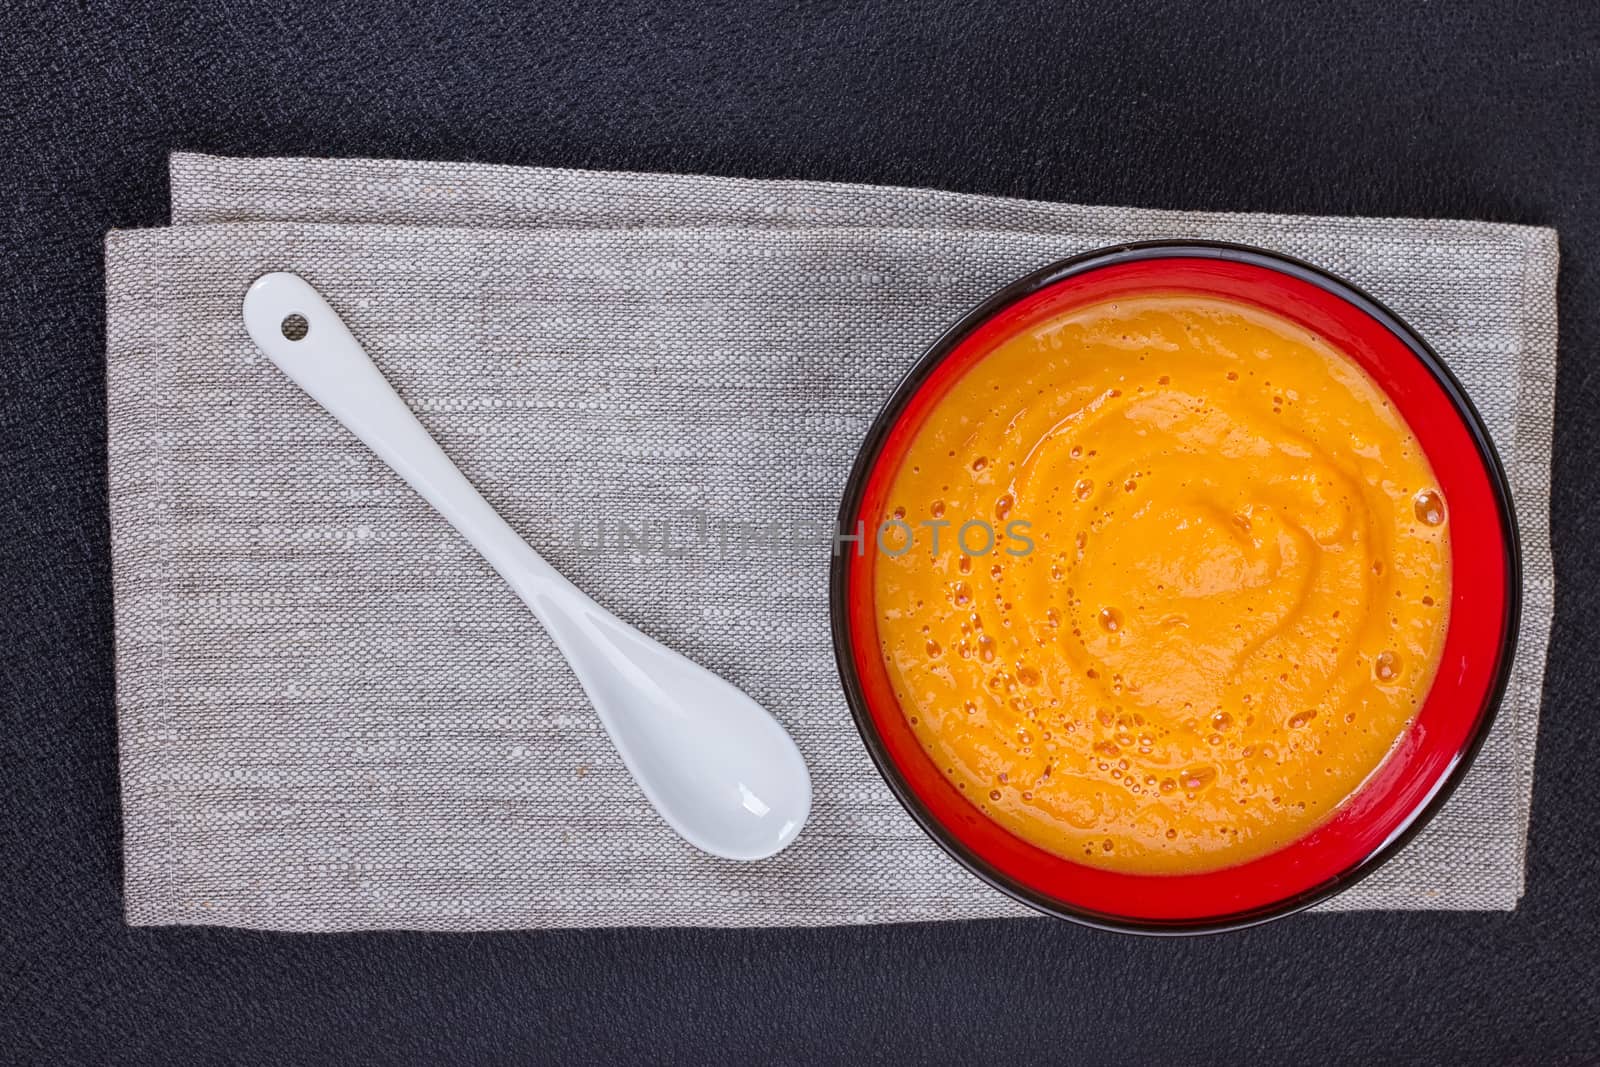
(855, 486)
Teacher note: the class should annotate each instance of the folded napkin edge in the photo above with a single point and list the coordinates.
(187, 170)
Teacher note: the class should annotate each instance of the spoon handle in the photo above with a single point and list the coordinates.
(322, 357)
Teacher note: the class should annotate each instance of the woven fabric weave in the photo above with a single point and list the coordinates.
(334, 716)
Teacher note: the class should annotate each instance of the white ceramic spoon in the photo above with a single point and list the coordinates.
(718, 768)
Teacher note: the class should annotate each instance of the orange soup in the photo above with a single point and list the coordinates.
(1163, 582)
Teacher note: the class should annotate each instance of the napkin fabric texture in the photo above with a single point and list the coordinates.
(334, 716)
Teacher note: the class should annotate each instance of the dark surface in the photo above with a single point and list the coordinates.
(1485, 110)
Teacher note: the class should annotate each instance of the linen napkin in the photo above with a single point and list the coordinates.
(334, 716)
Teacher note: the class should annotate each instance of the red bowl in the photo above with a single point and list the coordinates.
(1447, 731)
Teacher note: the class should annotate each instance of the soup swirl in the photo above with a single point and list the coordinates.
(1215, 594)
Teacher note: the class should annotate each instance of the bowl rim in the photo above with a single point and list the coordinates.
(911, 382)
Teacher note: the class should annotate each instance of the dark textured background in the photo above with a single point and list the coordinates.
(1481, 110)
